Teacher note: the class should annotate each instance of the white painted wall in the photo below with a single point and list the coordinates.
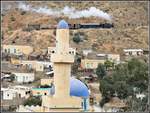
(24, 77)
(8, 94)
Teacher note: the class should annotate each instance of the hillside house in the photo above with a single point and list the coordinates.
(22, 91)
(47, 81)
(13, 91)
(7, 94)
(40, 91)
(24, 77)
(133, 52)
(37, 65)
(17, 49)
(92, 61)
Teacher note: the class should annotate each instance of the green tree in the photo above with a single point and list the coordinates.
(108, 64)
(101, 71)
(33, 101)
(122, 82)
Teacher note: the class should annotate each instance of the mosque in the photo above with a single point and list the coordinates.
(69, 93)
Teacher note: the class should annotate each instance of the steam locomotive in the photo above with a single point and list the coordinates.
(90, 25)
(31, 27)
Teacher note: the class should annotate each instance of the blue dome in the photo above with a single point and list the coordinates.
(62, 25)
(78, 88)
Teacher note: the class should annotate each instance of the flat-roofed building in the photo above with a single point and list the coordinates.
(92, 60)
(36, 65)
(24, 77)
(47, 81)
(40, 91)
(7, 94)
(17, 49)
(133, 52)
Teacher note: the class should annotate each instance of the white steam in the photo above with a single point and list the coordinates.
(67, 11)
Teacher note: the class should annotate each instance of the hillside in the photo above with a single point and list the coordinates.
(130, 20)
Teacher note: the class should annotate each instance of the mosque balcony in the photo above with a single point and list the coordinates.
(62, 58)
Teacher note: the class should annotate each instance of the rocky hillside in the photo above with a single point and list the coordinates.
(130, 25)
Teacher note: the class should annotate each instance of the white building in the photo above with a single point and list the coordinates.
(37, 65)
(13, 91)
(133, 52)
(22, 91)
(7, 94)
(24, 77)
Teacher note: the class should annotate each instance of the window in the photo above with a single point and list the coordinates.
(14, 50)
(130, 53)
(40, 67)
(19, 95)
(23, 78)
(8, 50)
(5, 50)
(88, 65)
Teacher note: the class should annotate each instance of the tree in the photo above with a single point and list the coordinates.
(122, 82)
(12, 77)
(101, 71)
(23, 12)
(33, 101)
(108, 64)
(76, 38)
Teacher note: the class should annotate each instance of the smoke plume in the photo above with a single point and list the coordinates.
(70, 12)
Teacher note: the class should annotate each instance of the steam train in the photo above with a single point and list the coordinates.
(31, 27)
(90, 25)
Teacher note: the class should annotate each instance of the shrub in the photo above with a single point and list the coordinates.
(33, 101)
(23, 12)
(76, 39)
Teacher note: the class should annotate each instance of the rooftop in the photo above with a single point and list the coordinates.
(94, 56)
